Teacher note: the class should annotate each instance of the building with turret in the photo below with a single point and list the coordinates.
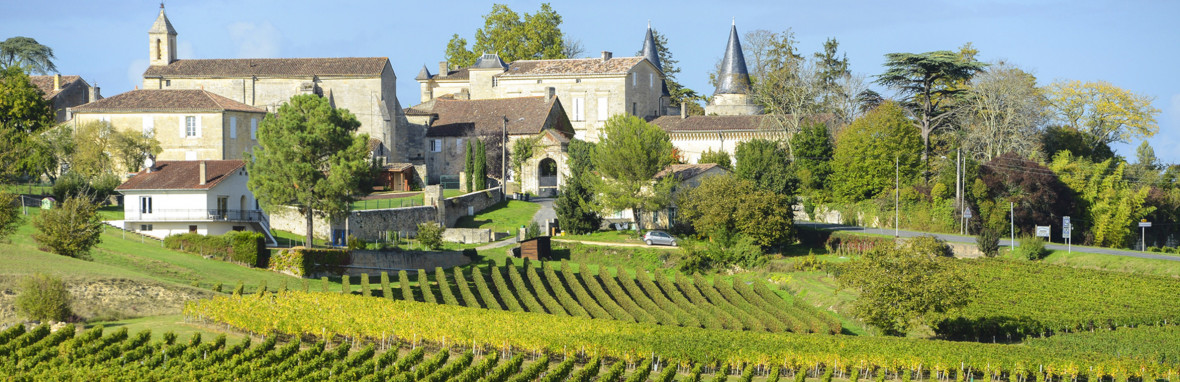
(591, 89)
(731, 117)
(366, 86)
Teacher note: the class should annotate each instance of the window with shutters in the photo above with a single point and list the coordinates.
(190, 126)
(579, 109)
(233, 127)
(436, 145)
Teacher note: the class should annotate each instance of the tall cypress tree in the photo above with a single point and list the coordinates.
(480, 167)
(468, 167)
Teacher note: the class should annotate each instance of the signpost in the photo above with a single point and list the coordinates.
(1066, 232)
(966, 218)
(1043, 231)
(1143, 224)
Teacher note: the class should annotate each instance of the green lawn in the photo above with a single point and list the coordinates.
(28, 189)
(288, 239)
(174, 323)
(417, 199)
(606, 237)
(506, 216)
(1115, 263)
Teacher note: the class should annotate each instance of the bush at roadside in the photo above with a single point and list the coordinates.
(43, 297)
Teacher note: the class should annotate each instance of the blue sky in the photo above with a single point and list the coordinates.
(1132, 44)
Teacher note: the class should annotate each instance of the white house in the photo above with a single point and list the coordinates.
(208, 197)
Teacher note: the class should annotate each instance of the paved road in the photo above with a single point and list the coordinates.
(546, 212)
(971, 240)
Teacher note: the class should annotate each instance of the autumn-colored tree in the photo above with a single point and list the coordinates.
(1111, 206)
(1003, 112)
(1105, 112)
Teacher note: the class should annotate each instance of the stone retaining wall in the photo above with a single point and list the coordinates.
(375, 262)
(371, 225)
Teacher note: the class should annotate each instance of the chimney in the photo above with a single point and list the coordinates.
(683, 110)
(443, 68)
(202, 166)
(606, 55)
(95, 93)
(550, 92)
(57, 82)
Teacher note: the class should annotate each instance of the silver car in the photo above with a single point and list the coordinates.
(659, 237)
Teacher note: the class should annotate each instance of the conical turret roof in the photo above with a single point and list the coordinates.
(162, 25)
(650, 52)
(423, 74)
(733, 79)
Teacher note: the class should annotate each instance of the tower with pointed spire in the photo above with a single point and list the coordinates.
(161, 41)
(733, 94)
(652, 54)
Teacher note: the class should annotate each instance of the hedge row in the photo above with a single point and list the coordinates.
(304, 262)
(239, 246)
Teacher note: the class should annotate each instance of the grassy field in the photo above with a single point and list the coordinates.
(606, 237)
(174, 323)
(1115, 263)
(506, 216)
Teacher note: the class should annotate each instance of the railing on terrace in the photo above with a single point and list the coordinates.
(197, 215)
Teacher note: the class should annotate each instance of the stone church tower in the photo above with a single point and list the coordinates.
(733, 93)
(162, 40)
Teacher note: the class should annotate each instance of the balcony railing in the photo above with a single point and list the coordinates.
(197, 215)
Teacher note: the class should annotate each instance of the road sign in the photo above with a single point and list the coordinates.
(1065, 221)
(1043, 231)
(1145, 224)
(967, 213)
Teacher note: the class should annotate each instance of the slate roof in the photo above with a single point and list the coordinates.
(526, 115)
(45, 83)
(616, 65)
(167, 100)
(733, 79)
(271, 67)
(686, 171)
(699, 123)
(397, 166)
(181, 175)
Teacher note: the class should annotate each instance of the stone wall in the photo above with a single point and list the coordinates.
(467, 235)
(375, 262)
(289, 219)
(371, 225)
(457, 207)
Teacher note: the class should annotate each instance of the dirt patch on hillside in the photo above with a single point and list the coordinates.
(109, 299)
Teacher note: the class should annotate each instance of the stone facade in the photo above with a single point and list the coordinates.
(65, 92)
(697, 134)
(364, 86)
(372, 225)
(547, 170)
(591, 89)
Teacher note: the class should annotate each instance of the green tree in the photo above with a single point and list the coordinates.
(23, 114)
(719, 157)
(26, 54)
(628, 155)
(1110, 204)
(813, 153)
(903, 286)
(468, 167)
(864, 162)
(929, 84)
(43, 297)
(308, 157)
(430, 235)
(10, 218)
(1003, 111)
(54, 148)
(1056, 139)
(71, 229)
(132, 147)
(94, 144)
(575, 205)
(725, 207)
(1106, 113)
(480, 166)
(531, 37)
(767, 164)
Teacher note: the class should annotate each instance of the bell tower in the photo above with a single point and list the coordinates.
(162, 41)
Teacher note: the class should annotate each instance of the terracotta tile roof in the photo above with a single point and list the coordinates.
(276, 67)
(698, 123)
(397, 166)
(686, 171)
(617, 65)
(166, 100)
(45, 83)
(182, 175)
(526, 115)
(454, 75)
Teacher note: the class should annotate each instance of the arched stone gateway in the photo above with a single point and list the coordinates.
(547, 178)
(545, 172)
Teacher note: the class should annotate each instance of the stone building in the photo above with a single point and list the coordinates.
(730, 118)
(366, 86)
(454, 123)
(190, 124)
(592, 89)
(64, 92)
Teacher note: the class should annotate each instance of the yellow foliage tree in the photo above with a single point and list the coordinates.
(1104, 111)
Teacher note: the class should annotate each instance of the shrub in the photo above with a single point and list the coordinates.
(243, 247)
(103, 186)
(989, 241)
(71, 229)
(356, 243)
(43, 297)
(366, 289)
(930, 246)
(812, 237)
(303, 262)
(533, 230)
(248, 248)
(700, 257)
(10, 217)
(1032, 248)
(430, 235)
(69, 185)
(345, 285)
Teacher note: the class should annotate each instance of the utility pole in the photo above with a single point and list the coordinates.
(959, 188)
(504, 161)
(896, 196)
(1012, 223)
